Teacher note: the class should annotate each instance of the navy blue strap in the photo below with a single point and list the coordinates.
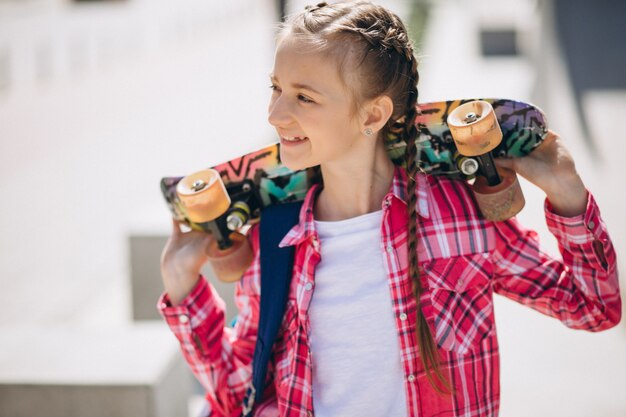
(276, 272)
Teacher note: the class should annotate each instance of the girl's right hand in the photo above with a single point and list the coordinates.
(182, 258)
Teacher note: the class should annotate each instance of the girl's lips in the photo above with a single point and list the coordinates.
(291, 142)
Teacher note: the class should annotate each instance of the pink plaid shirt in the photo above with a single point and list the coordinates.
(463, 260)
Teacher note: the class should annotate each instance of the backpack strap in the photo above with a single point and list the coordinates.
(276, 272)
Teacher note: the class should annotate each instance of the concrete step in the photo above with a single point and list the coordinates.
(146, 285)
(135, 370)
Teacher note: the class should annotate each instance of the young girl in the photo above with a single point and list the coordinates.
(390, 309)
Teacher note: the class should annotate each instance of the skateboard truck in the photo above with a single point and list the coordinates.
(468, 166)
(476, 132)
(207, 202)
(238, 216)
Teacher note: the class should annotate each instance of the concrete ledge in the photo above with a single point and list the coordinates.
(145, 254)
(145, 274)
(133, 371)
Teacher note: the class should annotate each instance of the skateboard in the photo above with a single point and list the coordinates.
(458, 139)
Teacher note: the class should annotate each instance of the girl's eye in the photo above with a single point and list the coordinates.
(301, 97)
(304, 99)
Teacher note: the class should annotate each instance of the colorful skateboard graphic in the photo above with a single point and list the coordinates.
(523, 128)
(259, 179)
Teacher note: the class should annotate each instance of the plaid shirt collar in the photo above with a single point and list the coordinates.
(305, 229)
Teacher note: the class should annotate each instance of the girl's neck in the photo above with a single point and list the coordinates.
(354, 189)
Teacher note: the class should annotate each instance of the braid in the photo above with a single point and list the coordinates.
(388, 38)
(318, 6)
(426, 342)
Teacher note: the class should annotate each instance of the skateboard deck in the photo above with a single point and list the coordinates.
(260, 179)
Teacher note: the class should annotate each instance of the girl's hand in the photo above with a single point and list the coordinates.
(551, 168)
(182, 258)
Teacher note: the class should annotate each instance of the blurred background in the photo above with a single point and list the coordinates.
(100, 99)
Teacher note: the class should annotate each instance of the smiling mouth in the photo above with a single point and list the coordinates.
(293, 139)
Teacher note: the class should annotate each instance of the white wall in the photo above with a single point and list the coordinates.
(101, 101)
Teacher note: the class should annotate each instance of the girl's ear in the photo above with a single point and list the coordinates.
(377, 113)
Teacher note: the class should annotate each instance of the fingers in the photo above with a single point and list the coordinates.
(508, 163)
(176, 232)
(551, 136)
(545, 146)
(181, 229)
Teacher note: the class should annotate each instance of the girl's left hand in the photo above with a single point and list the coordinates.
(551, 168)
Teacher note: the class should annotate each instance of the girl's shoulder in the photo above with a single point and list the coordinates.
(447, 197)
(452, 224)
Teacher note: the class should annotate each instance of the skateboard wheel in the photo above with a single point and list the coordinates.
(474, 128)
(499, 202)
(203, 196)
(230, 264)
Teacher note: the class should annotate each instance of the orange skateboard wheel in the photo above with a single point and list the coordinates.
(474, 128)
(203, 195)
(230, 264)
(499, 202)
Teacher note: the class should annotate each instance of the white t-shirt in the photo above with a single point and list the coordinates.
(354, 342)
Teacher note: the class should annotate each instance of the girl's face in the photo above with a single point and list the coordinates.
(310, 108)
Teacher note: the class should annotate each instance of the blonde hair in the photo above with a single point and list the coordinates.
(375, 57)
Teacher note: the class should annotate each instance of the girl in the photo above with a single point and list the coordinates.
(390, 309)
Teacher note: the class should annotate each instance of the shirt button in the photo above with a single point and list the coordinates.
(459, 284)
(387, 203)
(308, 286)
(389, 248)
(411, 378)
(403, 316)
(183, 318)
(591, 225)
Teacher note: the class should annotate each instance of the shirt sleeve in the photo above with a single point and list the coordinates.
(220, 357)
(581, 289)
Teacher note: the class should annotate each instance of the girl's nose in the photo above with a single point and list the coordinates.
(278, 113)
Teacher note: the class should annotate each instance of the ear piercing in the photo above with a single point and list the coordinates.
(368, 132)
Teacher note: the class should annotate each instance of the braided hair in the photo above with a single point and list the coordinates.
(375, 57)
